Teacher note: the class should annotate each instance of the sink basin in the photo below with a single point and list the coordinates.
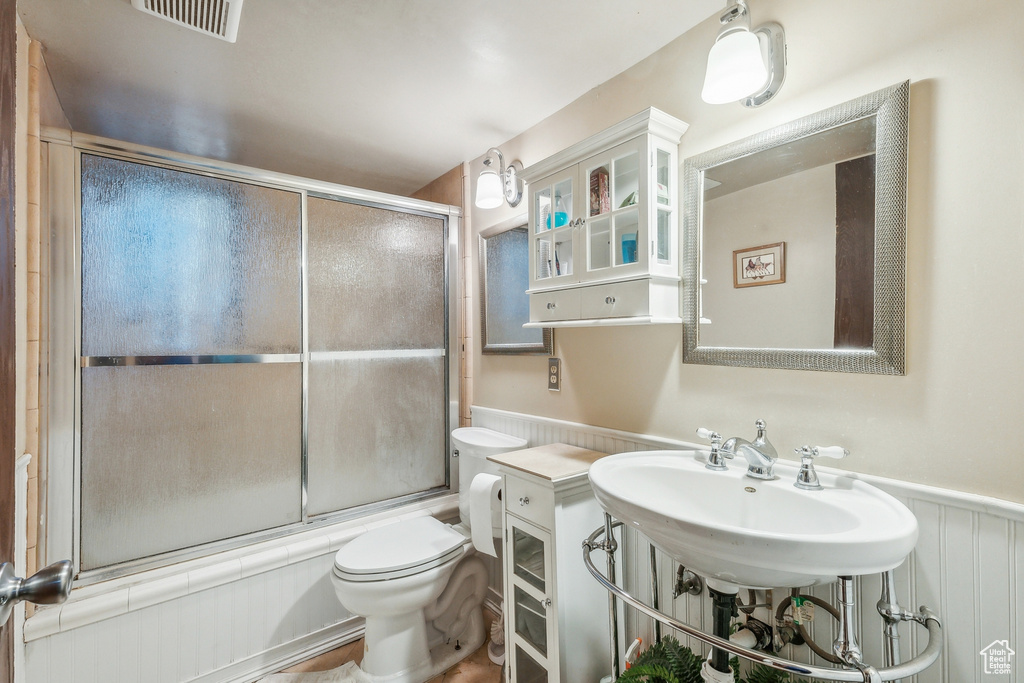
(753, 533)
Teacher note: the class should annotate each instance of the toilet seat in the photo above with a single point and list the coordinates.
(401, 549)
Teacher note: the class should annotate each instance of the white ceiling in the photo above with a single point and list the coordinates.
(380, 94)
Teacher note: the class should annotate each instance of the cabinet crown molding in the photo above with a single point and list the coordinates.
(650, 120)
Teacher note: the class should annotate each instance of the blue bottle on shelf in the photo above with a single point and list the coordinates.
(561, 215)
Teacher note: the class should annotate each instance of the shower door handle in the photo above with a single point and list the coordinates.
(48, 586)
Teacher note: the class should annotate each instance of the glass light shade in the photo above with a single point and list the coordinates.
(490, 191)
(736, 68)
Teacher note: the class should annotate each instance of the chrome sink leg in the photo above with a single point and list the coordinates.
(845, 646)
(613, 605)
(890, 626)
(654, 592)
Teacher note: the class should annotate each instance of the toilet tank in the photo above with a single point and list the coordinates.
(474, 444)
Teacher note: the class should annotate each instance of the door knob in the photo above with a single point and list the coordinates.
(48, 586)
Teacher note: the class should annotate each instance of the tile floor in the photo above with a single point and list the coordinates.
(476, 668)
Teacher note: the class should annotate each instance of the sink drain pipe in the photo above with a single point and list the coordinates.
(723, 609)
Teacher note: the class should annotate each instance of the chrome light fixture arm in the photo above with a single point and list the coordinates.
(773, 42)
(512, 184)
(741, 68)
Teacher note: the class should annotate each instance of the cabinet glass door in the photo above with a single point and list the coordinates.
(552, 216)
(531, 632)
(615, 236)
(528, 558)
(664, 251)
(526, 670)
(531, 620)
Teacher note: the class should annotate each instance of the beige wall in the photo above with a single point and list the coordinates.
(954, 419)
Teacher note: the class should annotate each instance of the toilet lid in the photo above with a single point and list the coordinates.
(399, 549)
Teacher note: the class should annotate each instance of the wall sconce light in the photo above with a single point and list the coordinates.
(495, 185)
(745, 64)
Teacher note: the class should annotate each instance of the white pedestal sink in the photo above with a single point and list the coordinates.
(740, 531)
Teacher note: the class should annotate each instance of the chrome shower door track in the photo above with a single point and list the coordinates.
(889, 673)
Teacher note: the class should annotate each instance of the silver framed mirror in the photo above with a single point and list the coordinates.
(504, 303)
(816, 208)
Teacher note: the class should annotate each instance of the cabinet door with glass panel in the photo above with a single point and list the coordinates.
(611, 217)
(532, 619)
(554, 219)
(604, 213)
(614, 231)
(663, 210)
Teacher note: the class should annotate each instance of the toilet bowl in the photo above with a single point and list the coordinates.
(403, 575)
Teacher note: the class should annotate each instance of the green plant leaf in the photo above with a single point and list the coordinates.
(682, 665)
(647, 673)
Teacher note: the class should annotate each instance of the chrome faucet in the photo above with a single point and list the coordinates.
(760, 453)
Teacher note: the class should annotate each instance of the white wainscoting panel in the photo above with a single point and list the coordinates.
(234, 620)
(968, 565)
(203, 635)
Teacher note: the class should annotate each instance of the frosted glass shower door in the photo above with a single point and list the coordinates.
(377, 343)
(191, 385)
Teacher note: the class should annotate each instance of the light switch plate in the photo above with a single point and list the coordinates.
(555, 374)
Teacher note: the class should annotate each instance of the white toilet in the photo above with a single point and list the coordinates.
(420, 577)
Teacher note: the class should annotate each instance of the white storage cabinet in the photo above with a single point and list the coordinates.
(556, 614)
(604, 227)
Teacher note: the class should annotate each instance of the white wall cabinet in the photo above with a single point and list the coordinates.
(604, 227)
(556, 614)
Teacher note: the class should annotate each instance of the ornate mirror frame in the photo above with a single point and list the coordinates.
(887, 356)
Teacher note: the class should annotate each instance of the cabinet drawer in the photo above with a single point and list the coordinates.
(531, 501)
(617, 300)
(562, 304)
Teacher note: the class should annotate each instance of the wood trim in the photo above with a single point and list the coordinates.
(8, 336)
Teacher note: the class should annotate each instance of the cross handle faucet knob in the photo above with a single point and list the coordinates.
(716, 460)
(807, 478)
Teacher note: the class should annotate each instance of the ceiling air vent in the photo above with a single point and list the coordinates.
(213, 17)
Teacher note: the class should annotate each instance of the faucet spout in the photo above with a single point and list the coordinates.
(760, 454)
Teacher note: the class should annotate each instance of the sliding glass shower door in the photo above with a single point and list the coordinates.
(247, 365)
(190, 288)
(376, 419)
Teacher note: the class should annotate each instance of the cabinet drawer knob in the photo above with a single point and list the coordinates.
(609, 299)
(547, 602)
(551, 305)
(524, 501)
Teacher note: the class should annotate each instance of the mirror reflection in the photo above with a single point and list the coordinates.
(795, 241)
(788, 241)
(504, 303)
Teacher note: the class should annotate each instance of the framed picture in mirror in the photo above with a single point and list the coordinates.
(755, 266)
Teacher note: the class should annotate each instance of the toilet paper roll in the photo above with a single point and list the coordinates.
(483, 496)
